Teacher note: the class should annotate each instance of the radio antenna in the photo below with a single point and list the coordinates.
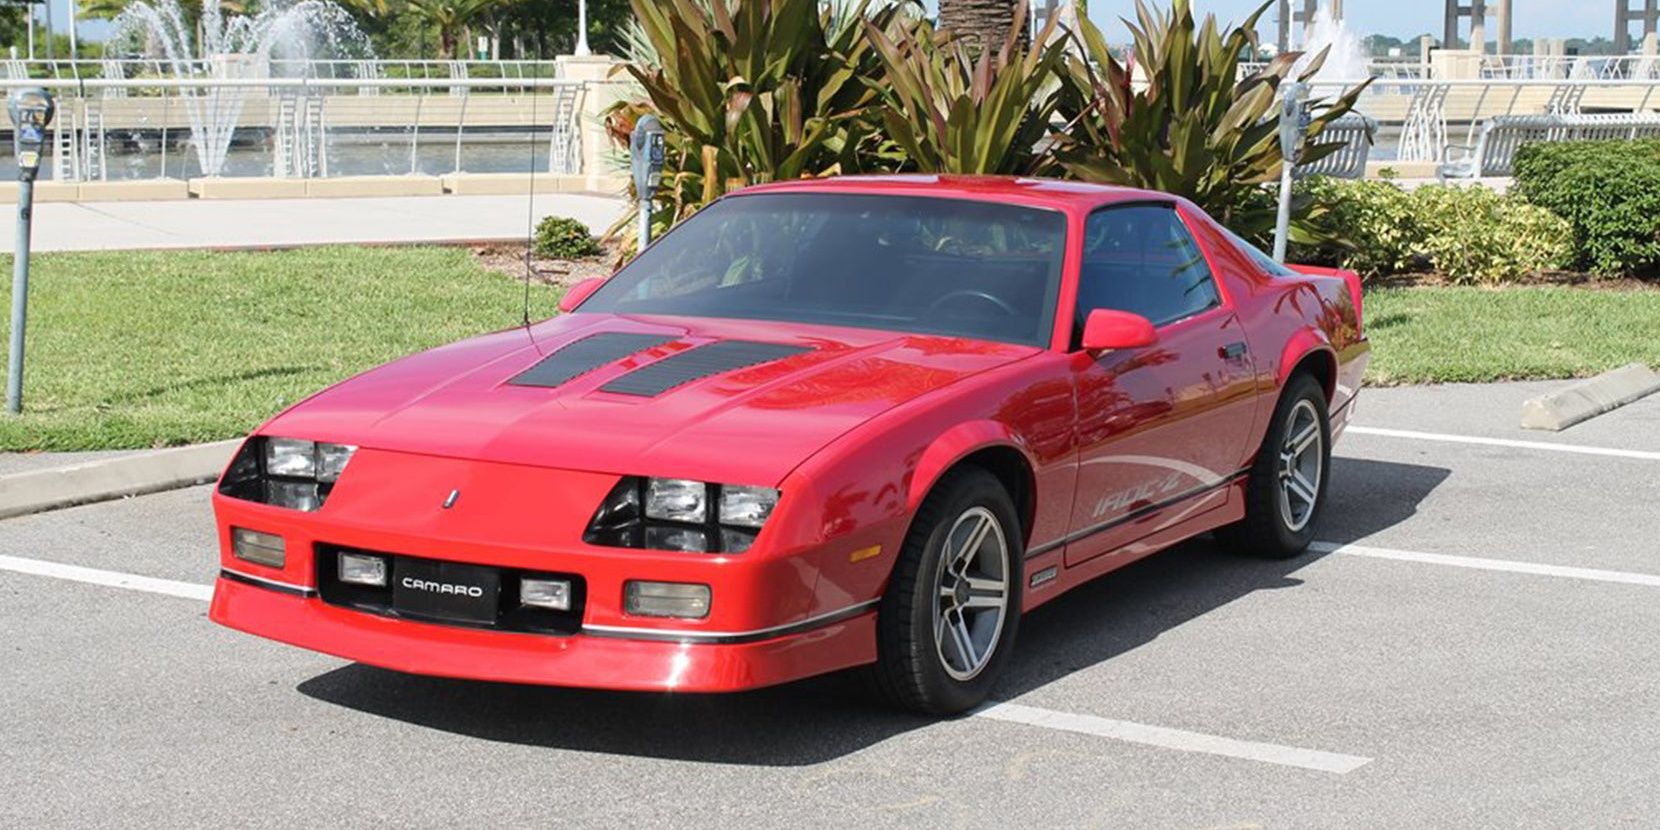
(530, 206)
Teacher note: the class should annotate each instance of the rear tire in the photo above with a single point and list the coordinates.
(947, 623)
(1286, 488)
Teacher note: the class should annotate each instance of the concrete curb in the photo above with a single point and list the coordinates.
(113, 478)
(1587, 399)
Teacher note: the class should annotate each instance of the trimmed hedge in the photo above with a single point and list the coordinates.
(1467, 234)
(559, 237)
(1608, 191)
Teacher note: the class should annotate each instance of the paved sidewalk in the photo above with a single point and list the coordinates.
(23, 462)
(95, 226)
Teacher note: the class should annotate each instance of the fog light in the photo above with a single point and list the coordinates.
(361, 569)
(553, 594)
(666, 599)
(259, 548)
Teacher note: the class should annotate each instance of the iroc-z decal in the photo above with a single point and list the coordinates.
(1147, 491)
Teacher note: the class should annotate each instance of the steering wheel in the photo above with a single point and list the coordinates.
(970, 294)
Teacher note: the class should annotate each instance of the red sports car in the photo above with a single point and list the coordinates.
(818, 425)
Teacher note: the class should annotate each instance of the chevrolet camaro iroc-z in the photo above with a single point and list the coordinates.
(850, 422)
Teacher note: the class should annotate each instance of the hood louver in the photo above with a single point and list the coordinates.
(580, 357)
(701, 362)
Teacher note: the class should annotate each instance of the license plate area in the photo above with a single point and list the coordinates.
(495, 605)
(446, 591)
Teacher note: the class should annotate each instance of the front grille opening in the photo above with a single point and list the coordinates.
(505, 614)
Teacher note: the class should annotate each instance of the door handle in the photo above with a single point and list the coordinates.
(1232, 351)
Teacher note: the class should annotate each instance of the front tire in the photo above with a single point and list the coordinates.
(947, 622)
(1286, 488)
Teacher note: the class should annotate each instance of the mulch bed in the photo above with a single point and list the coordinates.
(510, 261)
(1566, 279)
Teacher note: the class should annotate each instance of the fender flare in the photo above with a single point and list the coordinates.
(953, 446)
(1301, 344)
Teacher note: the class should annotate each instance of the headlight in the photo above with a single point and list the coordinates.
(677, 500)
(681, 515)
(746, 506)
(286, 472)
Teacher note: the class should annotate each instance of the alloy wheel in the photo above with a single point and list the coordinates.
(1301, 464)
(971, 594)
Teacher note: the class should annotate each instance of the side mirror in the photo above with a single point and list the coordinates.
(579, 292)
(1109, 329)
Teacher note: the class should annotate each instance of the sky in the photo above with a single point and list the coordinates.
(1403, 18)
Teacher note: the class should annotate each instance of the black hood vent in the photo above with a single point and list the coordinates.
(701, 362)
(580, 357)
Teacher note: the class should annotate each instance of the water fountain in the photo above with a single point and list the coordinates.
(1347, 61)
(221, 46)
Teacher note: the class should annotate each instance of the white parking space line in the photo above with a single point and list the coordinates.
(1009, 712)
(1547, 446)
(113, 579)
(1179, 739)
(1483, 564)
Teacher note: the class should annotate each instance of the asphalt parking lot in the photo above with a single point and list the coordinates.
(1472, 644)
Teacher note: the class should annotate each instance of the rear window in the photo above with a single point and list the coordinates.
(1266, 263)
(909, 264)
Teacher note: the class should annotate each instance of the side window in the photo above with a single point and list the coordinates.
(1141, 259)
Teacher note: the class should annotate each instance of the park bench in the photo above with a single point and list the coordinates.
(1349, 162)
(1494, 153)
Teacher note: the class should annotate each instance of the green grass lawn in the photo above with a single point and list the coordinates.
(1446, 334)
(148, 349)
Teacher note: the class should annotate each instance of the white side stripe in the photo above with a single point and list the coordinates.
(113, 579)
(1164, 737)
(1547, 446)
(1483, 564)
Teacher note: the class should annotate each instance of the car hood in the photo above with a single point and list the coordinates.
(747, 411)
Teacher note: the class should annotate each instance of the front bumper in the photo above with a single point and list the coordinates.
(777, 613)
(618, 660)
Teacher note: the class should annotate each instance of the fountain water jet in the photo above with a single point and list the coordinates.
(236, 46)
(1347, 63)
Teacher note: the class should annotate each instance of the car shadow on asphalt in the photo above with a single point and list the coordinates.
(825, 718)
(1131, 607)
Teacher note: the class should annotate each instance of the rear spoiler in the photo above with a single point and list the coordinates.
(1349, 278)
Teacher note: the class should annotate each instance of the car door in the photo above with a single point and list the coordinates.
(1160, 429)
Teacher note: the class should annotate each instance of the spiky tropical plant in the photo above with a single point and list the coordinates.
(1176, 117)
(952, 110)
(752, 91)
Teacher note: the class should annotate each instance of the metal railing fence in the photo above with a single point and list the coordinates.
(134, 128)
(130, 124)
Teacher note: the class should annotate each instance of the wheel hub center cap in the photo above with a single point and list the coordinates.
(959, 594)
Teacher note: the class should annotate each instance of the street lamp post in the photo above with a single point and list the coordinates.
(582, 50)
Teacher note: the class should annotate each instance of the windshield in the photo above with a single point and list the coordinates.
(912, 264)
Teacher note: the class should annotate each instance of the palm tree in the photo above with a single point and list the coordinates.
(984, 24)
(452, 18)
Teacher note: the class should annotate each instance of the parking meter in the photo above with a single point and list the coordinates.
(645, 147)
(31, 111)
(1294, 121)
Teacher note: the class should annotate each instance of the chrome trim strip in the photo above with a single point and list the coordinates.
(681, 635)
(268, 584)
(1138, 513)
